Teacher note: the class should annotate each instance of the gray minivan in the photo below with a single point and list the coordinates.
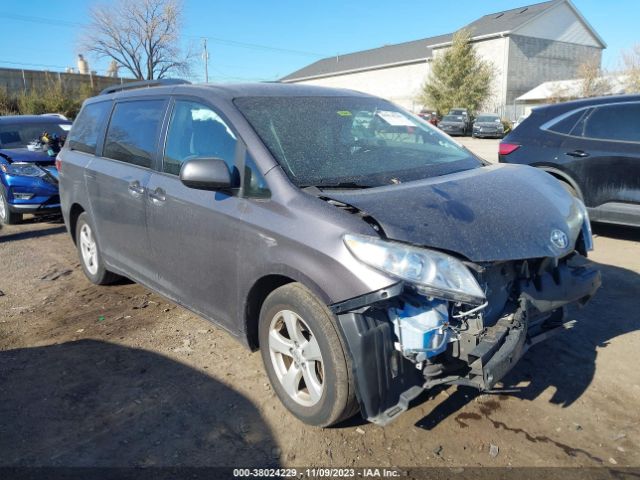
(364, 252)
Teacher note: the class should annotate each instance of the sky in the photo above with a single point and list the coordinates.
(256, 40)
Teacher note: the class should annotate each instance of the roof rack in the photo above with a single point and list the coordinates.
(144, 84)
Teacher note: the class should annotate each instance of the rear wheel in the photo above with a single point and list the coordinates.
(305, 358)
(89, 253)
(7, 217)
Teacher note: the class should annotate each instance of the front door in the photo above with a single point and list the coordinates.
(194, 233)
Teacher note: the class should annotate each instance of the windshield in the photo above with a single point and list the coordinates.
(453, 118)
(351, 141)
(487, 118)
(19, 135)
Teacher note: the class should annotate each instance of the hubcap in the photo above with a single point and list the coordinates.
(89, 249)
(3, 212)
(296, 358)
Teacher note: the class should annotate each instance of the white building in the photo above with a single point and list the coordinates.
(564, 90)
(526, 46)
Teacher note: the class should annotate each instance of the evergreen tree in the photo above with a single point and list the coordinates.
(459, 78)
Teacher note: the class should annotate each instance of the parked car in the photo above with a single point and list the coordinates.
(518, 121)
(28, 178)
(365, 266)
(592, 146)
(488, 125)
(468, 118)
(453, 125)
(431, 117)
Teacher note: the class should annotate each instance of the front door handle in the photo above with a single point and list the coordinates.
(157, 196)
(578, 154)
(136, 189)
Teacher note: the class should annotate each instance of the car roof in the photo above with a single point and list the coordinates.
(232, 91)
(32, 119)
(586, 102)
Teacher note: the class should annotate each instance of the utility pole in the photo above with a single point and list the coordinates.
(205, 57)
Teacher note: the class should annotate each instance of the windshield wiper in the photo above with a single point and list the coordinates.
(344, 185)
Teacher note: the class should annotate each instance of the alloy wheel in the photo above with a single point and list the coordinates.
(3, 210)
(296, 358)
(89, 249)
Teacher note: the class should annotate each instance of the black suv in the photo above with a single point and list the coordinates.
(592, 146)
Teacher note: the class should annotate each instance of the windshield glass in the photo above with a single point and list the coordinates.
(453, 118)
(19, 135)
(487, 118)
(351, 141)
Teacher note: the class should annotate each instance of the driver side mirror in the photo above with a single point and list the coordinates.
(206, 173)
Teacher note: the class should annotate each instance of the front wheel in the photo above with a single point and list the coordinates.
(305, 358)
(89, 253)
(7, 217)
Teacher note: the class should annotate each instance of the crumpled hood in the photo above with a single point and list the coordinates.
(25, 155)
(499, 212)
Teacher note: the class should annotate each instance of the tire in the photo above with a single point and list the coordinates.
(89, 253)
(7, 217)
(331, 397)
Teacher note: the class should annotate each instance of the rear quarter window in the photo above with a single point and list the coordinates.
(566, 124)
(84, 134)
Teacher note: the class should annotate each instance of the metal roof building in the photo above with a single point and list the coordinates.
(526, 45)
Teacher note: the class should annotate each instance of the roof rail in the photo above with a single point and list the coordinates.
(144, 84)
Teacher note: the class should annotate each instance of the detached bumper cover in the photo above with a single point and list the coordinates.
(386, 381)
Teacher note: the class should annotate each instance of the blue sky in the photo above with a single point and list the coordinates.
(264, 40)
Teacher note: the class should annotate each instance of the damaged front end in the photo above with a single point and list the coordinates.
(408, 337)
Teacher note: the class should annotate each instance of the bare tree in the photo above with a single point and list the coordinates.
(631, 61)
(142, 36)
(593, 82)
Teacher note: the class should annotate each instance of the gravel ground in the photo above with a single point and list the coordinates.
(121, 376)
(486, 148)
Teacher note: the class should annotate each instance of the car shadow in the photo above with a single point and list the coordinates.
(619, 232)
(566, 362)
(93, 403)
(5, 236)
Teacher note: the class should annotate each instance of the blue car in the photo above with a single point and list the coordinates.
(28, 176)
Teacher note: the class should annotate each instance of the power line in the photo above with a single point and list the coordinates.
(257, 46)
(221, 41)
(32, 64)
(48, 21)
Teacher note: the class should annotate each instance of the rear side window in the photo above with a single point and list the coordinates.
(619, 122)
(133, 131)
(196, 130)
(568, 124)
(84, 134)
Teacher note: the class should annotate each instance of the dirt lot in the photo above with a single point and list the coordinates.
(486, 148)
(120, 376)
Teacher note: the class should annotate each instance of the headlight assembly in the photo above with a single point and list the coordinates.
(432, 273)
(23, 170)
